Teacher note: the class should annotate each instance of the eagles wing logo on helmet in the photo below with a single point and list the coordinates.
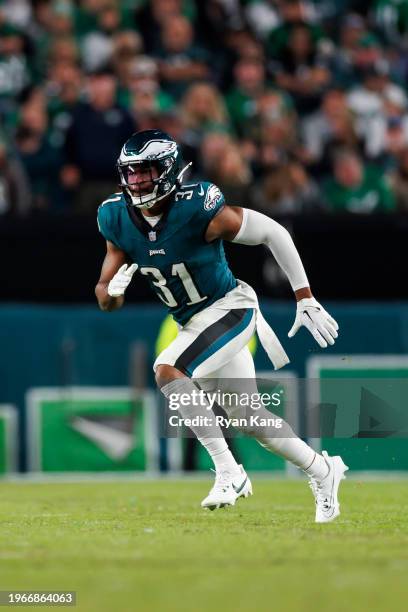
(213, 196)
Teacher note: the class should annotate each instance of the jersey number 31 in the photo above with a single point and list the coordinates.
(164, 292)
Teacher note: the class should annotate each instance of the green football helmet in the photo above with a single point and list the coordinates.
(149, 167)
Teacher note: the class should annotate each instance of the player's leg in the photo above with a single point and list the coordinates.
(237, 377)
(212, 337)
(191, 404)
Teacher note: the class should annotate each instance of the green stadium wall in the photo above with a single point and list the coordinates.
(61, 346)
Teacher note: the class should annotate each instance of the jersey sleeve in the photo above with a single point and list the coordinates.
(211, 202)
(105, 223)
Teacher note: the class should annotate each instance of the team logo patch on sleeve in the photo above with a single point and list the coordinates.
(213, 196)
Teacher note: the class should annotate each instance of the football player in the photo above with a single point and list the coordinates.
(173, 234)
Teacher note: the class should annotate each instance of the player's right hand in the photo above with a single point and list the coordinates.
(121, 280)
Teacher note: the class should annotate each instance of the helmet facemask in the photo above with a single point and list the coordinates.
(137, 176)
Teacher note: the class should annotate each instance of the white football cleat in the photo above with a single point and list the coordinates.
(227, 489)
(325, 491)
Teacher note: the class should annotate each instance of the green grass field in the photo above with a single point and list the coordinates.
(148, 546)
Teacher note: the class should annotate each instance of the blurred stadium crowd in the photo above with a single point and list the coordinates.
(288, 105)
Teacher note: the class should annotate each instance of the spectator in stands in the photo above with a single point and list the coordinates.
(365, 55)
(250, 82)
(63, 49)
(39, 154)
(353, 28)
(327, 129)
(293, 13)
(356, 188)
(62, 20)
(144, 96)
(263, 16)
(64, 89)
(97, 46)
(286, 189)
(213, 145)
(358, 50)
(227, 167)
(392, 18)
(40, 36)
(275, 121)
(302, 70)
(236, 45)
(399, 181)
(14, 72)
(353, 31)
(181, 61)
(86, 16)
(14, 187)
(99, 128)
(242, 44)
(203, 110)
(216, 19)
(396, 136)
(151, 17)
(127, 45)
(369, 102)
(16, 12)
(395, 129)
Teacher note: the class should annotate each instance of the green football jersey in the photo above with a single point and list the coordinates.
(187, 273)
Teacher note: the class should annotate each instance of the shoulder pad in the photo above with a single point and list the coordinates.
(115, 197)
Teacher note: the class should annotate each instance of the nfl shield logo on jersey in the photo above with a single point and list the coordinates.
(152, 236)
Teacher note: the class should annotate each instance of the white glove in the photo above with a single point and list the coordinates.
(317, 320)
(121, 280)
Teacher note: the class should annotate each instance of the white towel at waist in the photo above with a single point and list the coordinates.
(243, 296)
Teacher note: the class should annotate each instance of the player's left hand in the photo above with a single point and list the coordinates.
(317, 320)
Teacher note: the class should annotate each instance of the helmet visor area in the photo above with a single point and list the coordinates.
(140, 178)
(146, 181)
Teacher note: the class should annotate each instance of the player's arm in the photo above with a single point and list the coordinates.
(244, 226)
(114, 279)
